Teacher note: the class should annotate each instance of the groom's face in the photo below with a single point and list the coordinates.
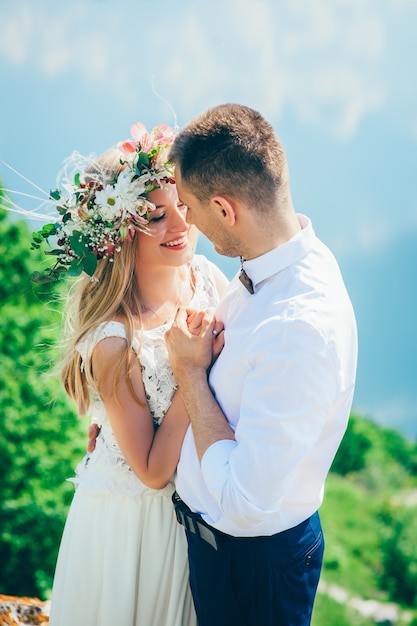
(197, 214)
(208, 219)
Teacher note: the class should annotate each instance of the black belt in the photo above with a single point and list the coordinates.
(193, 522)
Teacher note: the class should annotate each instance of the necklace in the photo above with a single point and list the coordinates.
(145, 307)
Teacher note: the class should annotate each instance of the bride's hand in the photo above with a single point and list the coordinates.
(194, 319)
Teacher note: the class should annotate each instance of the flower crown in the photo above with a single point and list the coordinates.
(98, 214)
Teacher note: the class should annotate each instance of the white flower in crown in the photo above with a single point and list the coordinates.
(162, 157)
(109, 203)
(131, 191)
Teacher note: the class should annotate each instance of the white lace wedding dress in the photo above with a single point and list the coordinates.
(123, 557)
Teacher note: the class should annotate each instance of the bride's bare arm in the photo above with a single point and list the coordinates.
(152, 455)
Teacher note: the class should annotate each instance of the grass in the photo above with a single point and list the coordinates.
(328, 612)
(353, 556)
(353, 560)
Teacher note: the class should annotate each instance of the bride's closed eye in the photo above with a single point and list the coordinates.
(157, 218)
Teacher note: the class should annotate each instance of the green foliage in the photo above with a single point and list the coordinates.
(353, 553)
(369, 515)
(41, 437)
(351, 456)
(366, 444)
(399, 549)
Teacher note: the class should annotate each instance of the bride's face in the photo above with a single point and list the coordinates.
(168, 242)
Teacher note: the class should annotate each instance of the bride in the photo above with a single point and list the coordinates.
(122, 558)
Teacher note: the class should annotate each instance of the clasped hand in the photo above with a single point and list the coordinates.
(194, 341)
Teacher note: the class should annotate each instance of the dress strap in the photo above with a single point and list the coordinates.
(104, 330)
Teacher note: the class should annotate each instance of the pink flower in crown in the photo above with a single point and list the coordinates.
(163, 134)
(140, 136)
(160, 135)
(127, 146)
(139, 220)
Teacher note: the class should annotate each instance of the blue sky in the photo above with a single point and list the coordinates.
(337, 80)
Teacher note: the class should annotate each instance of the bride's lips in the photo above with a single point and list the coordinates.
(178, 242)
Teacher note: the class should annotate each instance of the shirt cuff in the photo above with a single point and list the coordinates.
(215, 464)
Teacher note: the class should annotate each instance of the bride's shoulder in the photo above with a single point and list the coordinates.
(112, 328)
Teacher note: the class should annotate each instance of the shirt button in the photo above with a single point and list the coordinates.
(308, 560)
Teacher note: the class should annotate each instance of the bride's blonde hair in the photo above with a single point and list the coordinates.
(113, 293)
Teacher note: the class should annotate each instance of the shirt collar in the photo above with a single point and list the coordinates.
(263, 267)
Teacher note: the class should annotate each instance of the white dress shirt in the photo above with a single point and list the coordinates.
(285, 381)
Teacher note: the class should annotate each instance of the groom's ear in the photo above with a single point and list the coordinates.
(226, 207)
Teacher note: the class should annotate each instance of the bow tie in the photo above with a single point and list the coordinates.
(244, 278)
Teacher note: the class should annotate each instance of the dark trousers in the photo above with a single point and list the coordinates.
(259, 581)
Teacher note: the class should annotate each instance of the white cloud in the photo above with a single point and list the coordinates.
(370, 235)
(16, 35)
(336, 96)
(323, 60)
(319, 59)
(49, 39)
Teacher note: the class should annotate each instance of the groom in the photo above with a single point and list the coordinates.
(267, 422)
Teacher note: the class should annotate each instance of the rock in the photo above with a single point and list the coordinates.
(23, 611)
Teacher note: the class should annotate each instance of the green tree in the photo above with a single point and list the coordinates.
(42, 439)
(368, 448)
(399, 548)
(351, 456)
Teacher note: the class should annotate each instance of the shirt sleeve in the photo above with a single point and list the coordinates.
(288, 394)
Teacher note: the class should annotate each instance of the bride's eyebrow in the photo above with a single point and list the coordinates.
(164, 206)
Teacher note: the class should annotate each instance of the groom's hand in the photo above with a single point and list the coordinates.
(93, 433)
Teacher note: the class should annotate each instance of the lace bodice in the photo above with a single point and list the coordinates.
(106, 469)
